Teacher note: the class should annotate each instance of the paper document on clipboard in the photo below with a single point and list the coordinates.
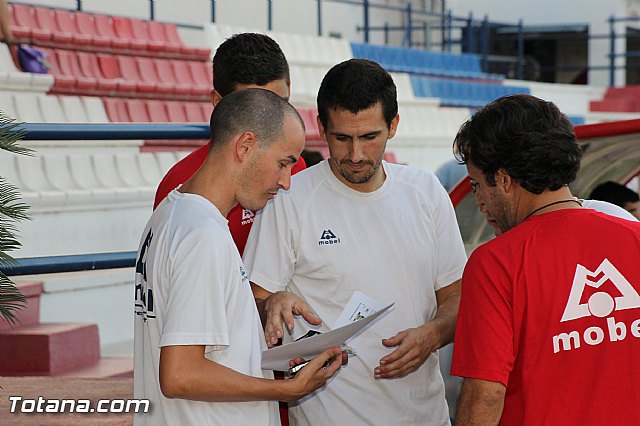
(278, 358)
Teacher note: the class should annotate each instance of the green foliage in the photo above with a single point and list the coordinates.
(11, 212)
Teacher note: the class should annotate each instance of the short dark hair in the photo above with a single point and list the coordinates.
(252, 110)
(527, 137)
(356, 85)
(614, 193)
(248, 58)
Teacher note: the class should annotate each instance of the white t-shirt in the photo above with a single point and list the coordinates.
(608, 208)
(191, 289)
(322, 241)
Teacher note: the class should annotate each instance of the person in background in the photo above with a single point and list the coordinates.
(198, 339)
(549, 309)
(243, 61)
(619, 195)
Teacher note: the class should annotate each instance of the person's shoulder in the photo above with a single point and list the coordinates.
(180, 172)
(608, 208)
(308, 179)
(415, 179)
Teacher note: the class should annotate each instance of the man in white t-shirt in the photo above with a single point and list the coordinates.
(198, 336)
(356, 223)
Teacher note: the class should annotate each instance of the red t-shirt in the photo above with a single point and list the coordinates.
(240, 219)
(551, 309)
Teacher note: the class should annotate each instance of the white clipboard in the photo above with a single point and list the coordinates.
(278, 358)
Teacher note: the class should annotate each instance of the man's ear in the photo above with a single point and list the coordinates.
(393, 127)
(245, 144)
(504, 181)
(321, 128)
(215, 97)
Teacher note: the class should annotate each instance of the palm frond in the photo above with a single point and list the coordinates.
(12, 210)
(10, 134)
(10, 299)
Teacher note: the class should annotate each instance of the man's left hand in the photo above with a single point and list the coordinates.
(413, 348)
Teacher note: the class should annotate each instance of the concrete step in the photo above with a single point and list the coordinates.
(48, 349)
(30, 314)
(105, 368)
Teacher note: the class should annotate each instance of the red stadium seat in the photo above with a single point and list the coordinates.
(141, 32)
(110, 69)
(207, 109)
(68, 64)
(149, 75)
(104, 28)
(86, 25)
(45, 19)
(171, 32)
(122, 29)
(200, 73)
(24, 18)
(61, 82)
(175, 112)
(158, 33)
(312, 133)
(157, 111)
(89, 67)
(137, 111)
(129, 71)
(183, 75)
(116, 110)
(194, 113)
(166, 75)
(65, 19)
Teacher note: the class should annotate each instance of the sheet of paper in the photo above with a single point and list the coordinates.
(359, 306)
(278, 358)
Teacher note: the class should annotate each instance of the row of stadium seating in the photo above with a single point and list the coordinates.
(101, 74)
(70, 29)
(401, 59)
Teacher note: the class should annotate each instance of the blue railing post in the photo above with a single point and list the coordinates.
(484, 43)
(319, 3)
(79, 5)
(469, 40)
(409, 33)
(449, 30)
(270, 15)
(213, 11)
(152, 11)
(365, 9)
(612, 51)
(520, 66)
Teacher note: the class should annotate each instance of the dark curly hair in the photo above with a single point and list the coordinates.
(527, 137)
(248, 58)
(356, 85)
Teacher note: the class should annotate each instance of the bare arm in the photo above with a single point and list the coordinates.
(278, 308)
(480, 403)
(185, 373)
(5, 29)
(416, 344)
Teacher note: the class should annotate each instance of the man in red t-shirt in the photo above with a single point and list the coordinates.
(549, 322)
(243, 61)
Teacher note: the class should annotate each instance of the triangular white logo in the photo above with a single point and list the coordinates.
(600, 304)
(247, 214)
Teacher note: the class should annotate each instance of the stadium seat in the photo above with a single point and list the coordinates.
(110, 69)
(28, 107)
(94, 109)
(68, 65)
(73, 109)
(122, 28)
(116, 110)
(58, 174)
(140, 31)
(148, 74)
(7, 106)
(45, 20)
(167, 75)
(129, 72)
(137, 110)
(172, 36)
(51, 109)
(157, 111)
(175, 112)
(88, 65)
(182, 73)
(86, 26)
(194, 113)
(25, 25)
(158, 33)
(66, 19)
(104, 28)
(200, 73)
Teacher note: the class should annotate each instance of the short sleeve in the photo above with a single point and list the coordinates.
(483, 345)
(196, 296)
(269, 255)
(452, 256)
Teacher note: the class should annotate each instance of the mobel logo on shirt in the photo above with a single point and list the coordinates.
(328, 238)
(600, 304)
(247, 216)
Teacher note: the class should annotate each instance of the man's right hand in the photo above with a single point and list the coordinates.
(279, 308)
(314, 376)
